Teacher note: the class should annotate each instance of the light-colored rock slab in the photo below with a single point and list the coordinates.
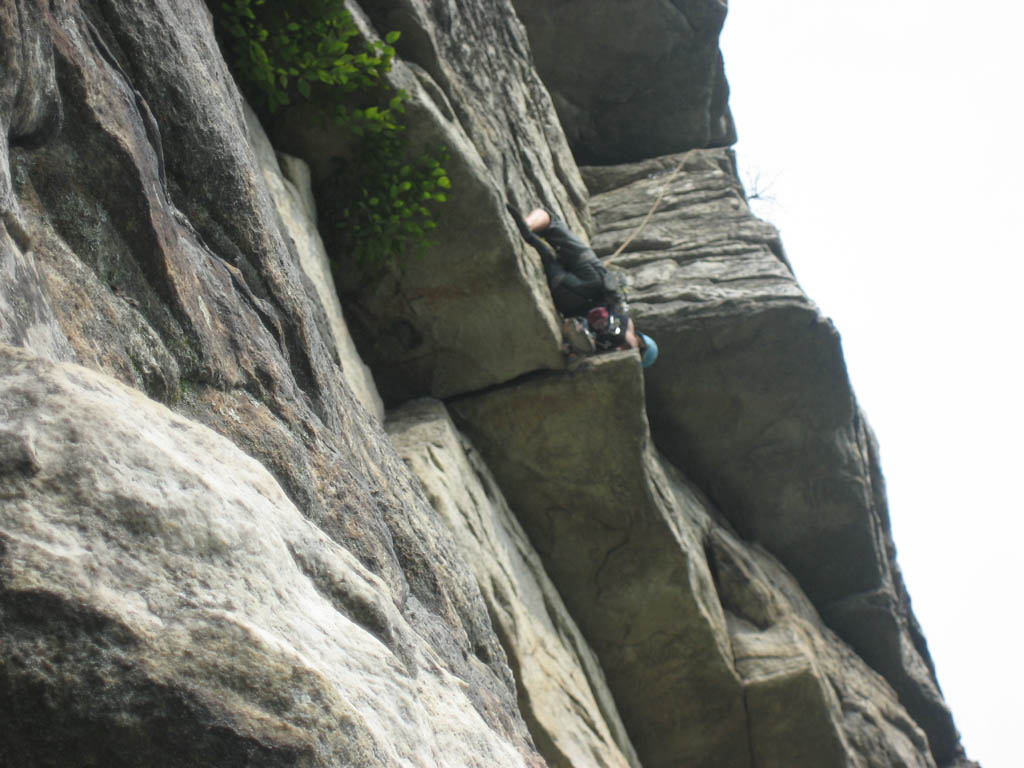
(562, 690)
(291, 190)
(163, 601)
(572, 454)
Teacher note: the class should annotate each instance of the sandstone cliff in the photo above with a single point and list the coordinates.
(225, 539)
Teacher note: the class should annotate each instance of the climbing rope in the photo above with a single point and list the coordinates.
(654, 207)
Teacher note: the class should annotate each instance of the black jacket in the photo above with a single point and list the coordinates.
(578, 281)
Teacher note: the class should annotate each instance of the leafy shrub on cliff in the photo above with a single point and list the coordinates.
(383, 200)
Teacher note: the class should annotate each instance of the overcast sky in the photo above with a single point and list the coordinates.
(888, 139)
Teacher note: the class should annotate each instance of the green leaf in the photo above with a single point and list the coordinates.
(392, 37)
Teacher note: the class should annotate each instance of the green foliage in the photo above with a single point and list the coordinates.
(382, 200)
(392, 211)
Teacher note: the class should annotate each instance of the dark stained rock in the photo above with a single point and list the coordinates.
(632, 80)
(751, 397)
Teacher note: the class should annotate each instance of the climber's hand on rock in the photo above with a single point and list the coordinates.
(517, 217)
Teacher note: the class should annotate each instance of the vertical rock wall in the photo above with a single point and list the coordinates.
(633, 79)
(281, 594)
(753, 399)
(211, 553)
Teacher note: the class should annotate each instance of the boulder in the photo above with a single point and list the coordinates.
(751, 397)
(163, 602)
(635, 79)
(562, 691)
(572, 454)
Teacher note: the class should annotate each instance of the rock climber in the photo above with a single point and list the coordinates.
(586, 294)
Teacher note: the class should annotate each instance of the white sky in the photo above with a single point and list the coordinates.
(890, 136)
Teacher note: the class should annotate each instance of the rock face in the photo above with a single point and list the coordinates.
(753, 399)
(562, 690)
(165, 603)
(810, 700)
(428, 324)
(289, 183)
(635, 79)
(651, 576)
(600, 513)
(213, 553)
(147, 248)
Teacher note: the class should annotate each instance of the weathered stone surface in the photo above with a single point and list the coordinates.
(562, 691)
(478, 56)
(749, 368)
(632, 79)
(291, 190)
(163, 602)
(572, 454)
(437, 324)
(751, 397)
(153, 253)
(809, 698)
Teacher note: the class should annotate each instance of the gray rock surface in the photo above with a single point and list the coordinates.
(572, 454)
(652, 573)
(810, 699)
(429, 325)
(634, 79)
(173, 596)
(752, 398)
(163, 602)
(151, 251)
(562, 690)
(288, 181)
